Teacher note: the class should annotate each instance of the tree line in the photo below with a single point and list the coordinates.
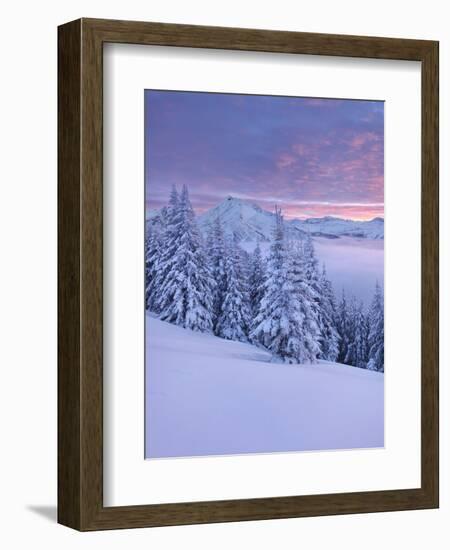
(282, 302)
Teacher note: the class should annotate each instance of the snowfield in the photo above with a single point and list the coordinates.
(209, 396)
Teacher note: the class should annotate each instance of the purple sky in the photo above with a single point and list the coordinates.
(312, 157)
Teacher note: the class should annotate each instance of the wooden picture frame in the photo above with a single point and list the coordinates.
(80, 271)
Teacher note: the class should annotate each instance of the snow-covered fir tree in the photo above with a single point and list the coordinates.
(311, 268)
(343, 327)
(306, 295)
(367, 332)
(216, 256)
(187, 287)
(278, 325)
(245, 269)
(329, 336)
(376, 331)
(257, 278)
(233, 322)
(357, 353)
(153, 253)
(351, 330)
(168, 245)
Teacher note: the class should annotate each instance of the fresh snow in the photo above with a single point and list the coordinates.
(210, 396)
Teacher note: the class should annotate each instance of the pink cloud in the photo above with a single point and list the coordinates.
(300, 149)
(285, 160)
(361, 139)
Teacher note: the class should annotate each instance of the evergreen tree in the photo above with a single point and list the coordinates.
(278, 325)
(357, 353)
(234, 319)
(187, 287)
(245, 270)
(311, 268)
(376, 331)
(329, 336)
(216, 254)
(367, 333)
(351, 329)
(168, 246)
(153, 241)
(343, 327)
(256, 280)
(307, 297)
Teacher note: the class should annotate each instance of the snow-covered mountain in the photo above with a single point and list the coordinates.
(337, 227)
(250, 222)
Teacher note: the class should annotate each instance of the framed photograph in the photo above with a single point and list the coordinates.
(248, 274)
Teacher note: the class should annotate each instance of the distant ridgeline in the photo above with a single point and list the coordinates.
(199, 277)
(249, 222)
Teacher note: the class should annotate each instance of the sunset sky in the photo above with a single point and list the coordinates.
(312, 157)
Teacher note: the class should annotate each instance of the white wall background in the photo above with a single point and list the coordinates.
(28, 274)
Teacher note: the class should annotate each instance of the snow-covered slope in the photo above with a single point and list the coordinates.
(208, 396)
(250, 222)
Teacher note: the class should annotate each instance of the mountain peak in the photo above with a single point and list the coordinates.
(249, 222)
(236, 201)
(231, 203)
(238, 216)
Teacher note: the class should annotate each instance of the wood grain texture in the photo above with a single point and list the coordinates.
(69, 244)
(80, 264)
(430, 272)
